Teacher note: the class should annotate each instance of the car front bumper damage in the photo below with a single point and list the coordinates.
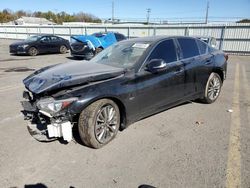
(43, 126)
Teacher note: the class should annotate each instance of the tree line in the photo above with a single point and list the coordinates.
(7, 15)
(244, 21)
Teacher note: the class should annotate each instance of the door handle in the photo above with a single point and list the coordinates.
(179, 71)
(208, 61)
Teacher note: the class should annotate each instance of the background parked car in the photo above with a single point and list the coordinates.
(124, 83)
(86, 46)
(40, 44)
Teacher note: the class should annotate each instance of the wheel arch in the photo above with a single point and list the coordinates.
(120, 104)
(122, 110)
(33, 46)
(220, 73)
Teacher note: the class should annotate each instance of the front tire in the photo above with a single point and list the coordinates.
(213, 88)
(33, 51)
(99, 123)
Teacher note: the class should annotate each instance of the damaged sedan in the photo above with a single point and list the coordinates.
(124, 83)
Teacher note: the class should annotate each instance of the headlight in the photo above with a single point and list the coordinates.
(52, 106)
(23, 46)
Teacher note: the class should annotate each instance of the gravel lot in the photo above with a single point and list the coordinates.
(192, 145)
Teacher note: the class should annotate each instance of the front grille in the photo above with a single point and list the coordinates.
(13, 48)
(78, 47)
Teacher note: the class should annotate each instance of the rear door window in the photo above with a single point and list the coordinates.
(45, 39)
(202, 47)
(55, 39)
(188, 47)
(165, 50)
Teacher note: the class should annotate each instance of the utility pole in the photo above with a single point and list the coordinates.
(206, 21)
(148, 14)
(113, 12)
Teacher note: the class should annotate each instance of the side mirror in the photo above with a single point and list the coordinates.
(156, 65)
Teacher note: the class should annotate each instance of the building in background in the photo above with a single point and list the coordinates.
(31, 21)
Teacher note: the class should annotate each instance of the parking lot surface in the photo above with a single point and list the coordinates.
(192, 145)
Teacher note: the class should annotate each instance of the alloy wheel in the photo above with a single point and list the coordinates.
(33, 51)
(213, 88)
(106, 124)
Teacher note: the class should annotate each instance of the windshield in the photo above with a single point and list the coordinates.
(33, 38)
(123, 55)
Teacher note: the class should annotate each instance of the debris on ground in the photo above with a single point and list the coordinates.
(199, 122)
(230, 110)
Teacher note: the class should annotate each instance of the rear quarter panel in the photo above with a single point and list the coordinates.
(220, 63)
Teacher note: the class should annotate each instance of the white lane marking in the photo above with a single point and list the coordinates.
(246, 91)
(233, 175)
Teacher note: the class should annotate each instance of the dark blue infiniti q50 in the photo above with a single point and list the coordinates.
(124, 83)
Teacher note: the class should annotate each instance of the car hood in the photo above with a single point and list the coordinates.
(21, 43)
(69, 74)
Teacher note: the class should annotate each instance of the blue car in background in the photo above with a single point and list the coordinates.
(87, 46)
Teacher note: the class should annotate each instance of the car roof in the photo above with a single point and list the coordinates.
(202, 36)
(46, 35)
(103, 32)
(157, 38)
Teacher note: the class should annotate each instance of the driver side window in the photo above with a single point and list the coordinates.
(45, 39)
(164, 50)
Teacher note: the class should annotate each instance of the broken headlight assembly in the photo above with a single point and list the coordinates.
(50, 106)
(23, 46)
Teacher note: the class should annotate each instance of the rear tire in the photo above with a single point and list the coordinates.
(99, 123)
(213, 88)
(33, 51)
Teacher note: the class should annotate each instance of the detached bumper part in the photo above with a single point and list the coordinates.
(41, 128)
(60, 130)
(53, 131)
